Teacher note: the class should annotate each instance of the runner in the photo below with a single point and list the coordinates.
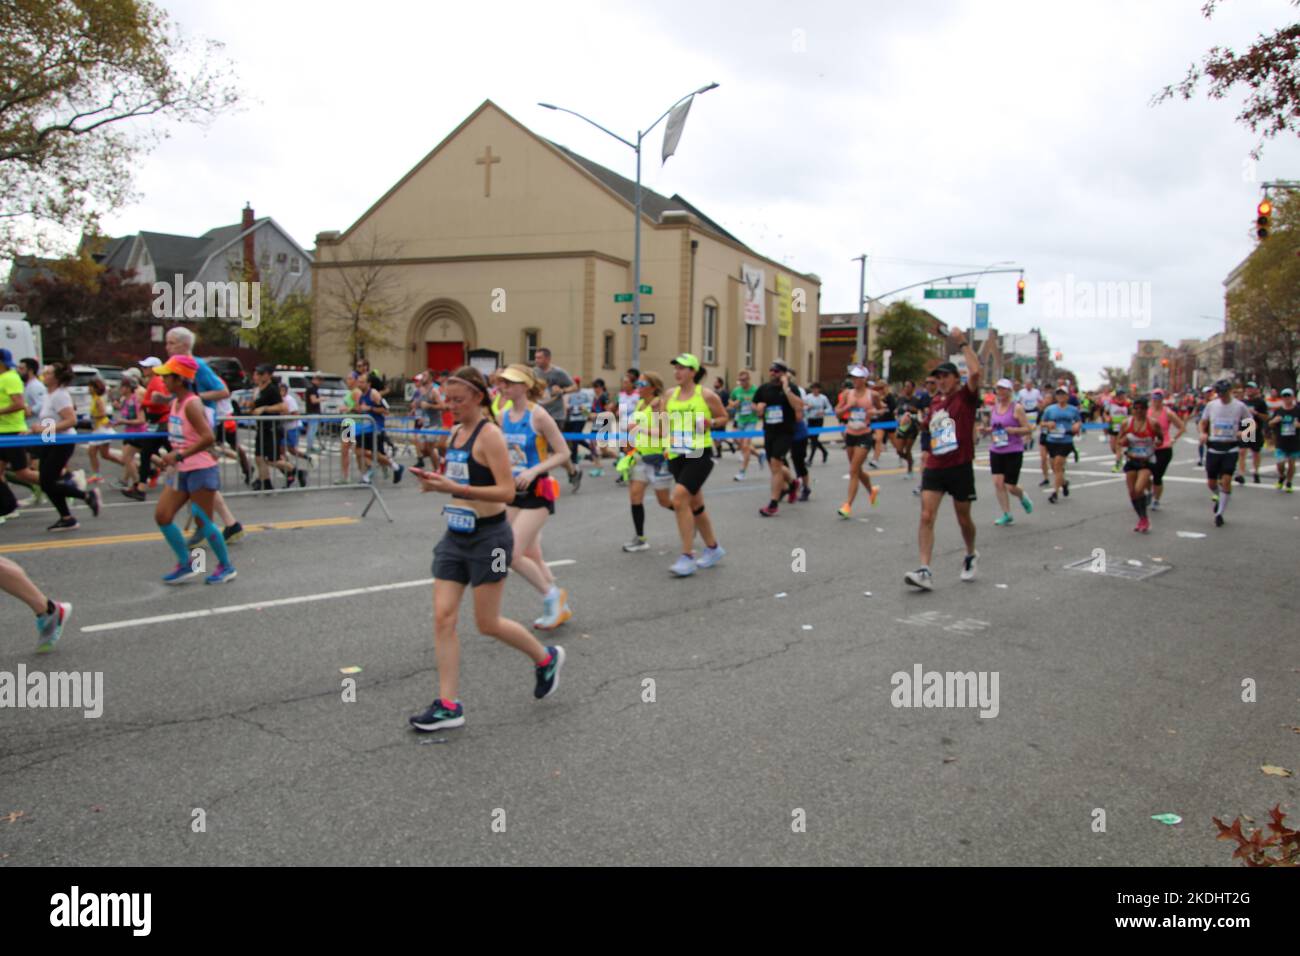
(1140, 436)
(1117, 412)
(371, 402)
(907, 412)
(156, 401)
(1221, 424)
(779, 405)
(1254, 444)
(855, 407)
(130, 417)
(13, 424)
(100, 421)
(883, 412)
(536, 446)
(196, 476)
(646, 456)
(818, 407)
(949, 467)
(1286, 443)
(1008, 424)
(799, 446)
(693, 412)
(58, 410)
(556, 383)
(1168, 420)
(476, 550)
(51, 616)
(742, 407)
(1030, 399)
(1061, 421)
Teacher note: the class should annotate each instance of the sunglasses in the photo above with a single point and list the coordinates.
(642, 384)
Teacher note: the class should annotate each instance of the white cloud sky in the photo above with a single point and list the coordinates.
(923, 134)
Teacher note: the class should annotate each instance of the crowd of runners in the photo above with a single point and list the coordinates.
(492, 445)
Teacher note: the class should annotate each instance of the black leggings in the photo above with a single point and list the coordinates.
(799, 454)
(156, 444)
(1163, 457)
(54, 459)
(815, 440)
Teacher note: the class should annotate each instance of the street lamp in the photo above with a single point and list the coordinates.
(636, 248)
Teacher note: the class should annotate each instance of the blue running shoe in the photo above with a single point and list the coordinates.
(180, 574)
(438, 716)
(548, 674)
(710, 557)
(223, 574)
(684, 566)
(49, 627)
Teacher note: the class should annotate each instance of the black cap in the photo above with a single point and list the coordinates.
(265, 367)
(1223, 385)
(1139, 400)
(779, 364)
(943, 367)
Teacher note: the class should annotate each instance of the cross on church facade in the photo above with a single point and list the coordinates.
(487, 161)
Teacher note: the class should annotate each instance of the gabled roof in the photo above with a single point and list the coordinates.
(172, 254)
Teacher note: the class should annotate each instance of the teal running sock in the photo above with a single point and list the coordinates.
(177, 541)
(213, 534)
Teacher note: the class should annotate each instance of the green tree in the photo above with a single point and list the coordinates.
(1269, 69)
(77, 300)
(73, 74)
(283, 335)
(905, 331)
(1264, 307)
(1114, 377)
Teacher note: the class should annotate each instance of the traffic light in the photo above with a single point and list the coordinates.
(1265, 211)
(1020, 292)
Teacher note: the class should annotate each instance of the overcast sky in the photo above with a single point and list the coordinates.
(928, 135)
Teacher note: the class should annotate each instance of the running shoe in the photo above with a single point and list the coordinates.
(223, 574)
(968, 566)
(555, 611)
(875, 493)
(739, 476)
(871, 464)
(1027, 504)
(845, 511)
(1114, 468)
(302, 478)
(1052, 499)
(134, 494)
(94, 479)
(1278, 486)
(767, 511)
(920, 578)
(1065, 489)
(805, 493)
(437, 716)
(1240, 479)
(64, 524)
(1144, 525)
(684, 566)
(1289, 489)
(792, 492)
(1005, 520)
(638, 543)
(92, 499)
(1155, 504)
(1218, 521)
(232, 533)
(38, 498)
(1045, 482)
(398, 472)
(49, 627)
(180, 574)
(576, 479)
(1256, 477)
(366, 478)
(710, 556)
(548, 674)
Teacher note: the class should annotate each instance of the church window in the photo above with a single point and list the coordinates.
(710, 333)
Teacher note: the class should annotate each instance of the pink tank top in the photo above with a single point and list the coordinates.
(183, 436)
(1162, 419)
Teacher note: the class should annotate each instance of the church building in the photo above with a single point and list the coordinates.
(500, 241)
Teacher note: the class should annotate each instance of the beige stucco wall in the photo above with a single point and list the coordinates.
(558, 244)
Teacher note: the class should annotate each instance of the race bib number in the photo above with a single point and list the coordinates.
(515, 446)
(458, 465)
(943, 434)
(1000, 437)
(1287, 429)
(1140, 449)
(1058, 428)
(1223, 429)
(746, 410)
(460, 520)
(857, 415)
(774, 415)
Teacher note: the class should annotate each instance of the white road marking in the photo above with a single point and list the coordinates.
(278, 602)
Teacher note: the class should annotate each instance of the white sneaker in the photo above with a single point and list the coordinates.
(968, 566)
(920, 578)
(740, 475)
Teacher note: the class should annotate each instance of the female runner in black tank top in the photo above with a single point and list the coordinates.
(476, 549)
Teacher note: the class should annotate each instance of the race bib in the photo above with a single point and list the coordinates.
(1287, 429)
(774, 415)
(1140, 449)
(858, 415)
(1000, 437)
(460, 520)
(458, 465)
(746, 410)
(515, 446)
(943, 434)
(1223, 429)
(1058, 428)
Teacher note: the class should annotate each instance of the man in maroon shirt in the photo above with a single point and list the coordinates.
(949, 466)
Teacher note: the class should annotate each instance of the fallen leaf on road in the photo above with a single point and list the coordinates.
(1273, 771)
(14, 815)
(1169, 819)
(353, 669)
(1294, 730)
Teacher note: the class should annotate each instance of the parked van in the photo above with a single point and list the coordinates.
(18, 336)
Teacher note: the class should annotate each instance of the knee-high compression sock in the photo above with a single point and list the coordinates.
(1140, 505)
(1223, 502)
(213, 534)
(176, 539)
(638, 520)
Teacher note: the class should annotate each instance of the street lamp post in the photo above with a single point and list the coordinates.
(636, 241)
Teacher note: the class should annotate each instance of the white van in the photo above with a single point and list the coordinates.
(18, 336)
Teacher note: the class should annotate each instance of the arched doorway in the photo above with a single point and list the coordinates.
(440, 336)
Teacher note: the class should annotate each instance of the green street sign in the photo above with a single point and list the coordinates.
(622, 296)
(968, 293)
(646, 290)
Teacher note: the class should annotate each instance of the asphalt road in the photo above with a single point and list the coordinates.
(772, 688)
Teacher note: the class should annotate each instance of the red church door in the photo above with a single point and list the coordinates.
(447, 356)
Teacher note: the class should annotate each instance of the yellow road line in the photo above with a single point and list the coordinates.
(154, 535)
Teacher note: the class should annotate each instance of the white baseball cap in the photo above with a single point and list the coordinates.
(857, 371)
(151, 362)
(1004, 383)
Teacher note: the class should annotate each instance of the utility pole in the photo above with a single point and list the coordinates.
(861, 352)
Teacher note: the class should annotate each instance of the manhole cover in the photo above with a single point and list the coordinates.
(1117, 568)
